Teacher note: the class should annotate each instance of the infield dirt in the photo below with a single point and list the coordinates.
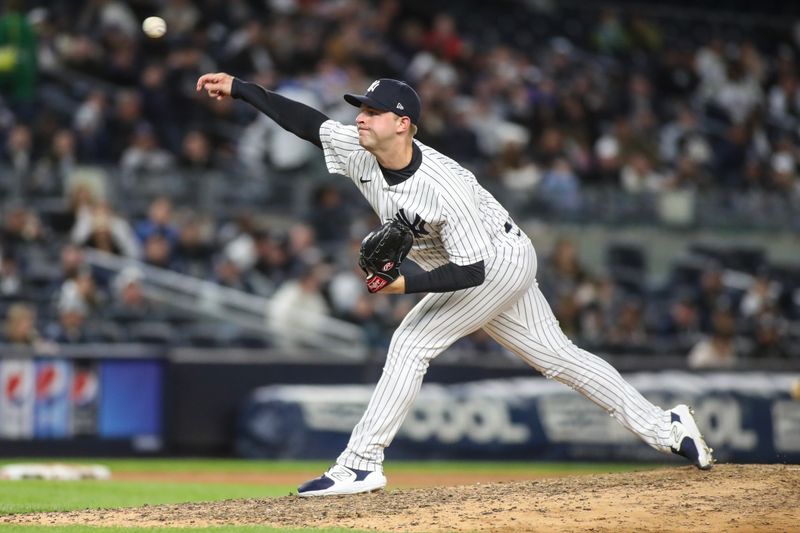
(728, 498)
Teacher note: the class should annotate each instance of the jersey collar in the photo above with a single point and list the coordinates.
(395, 177)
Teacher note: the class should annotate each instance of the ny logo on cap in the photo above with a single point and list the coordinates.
(373, 86)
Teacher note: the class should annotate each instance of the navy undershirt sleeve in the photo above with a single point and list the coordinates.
(300, 119)
(447, 278)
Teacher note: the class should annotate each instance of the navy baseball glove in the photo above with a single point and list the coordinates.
(382, 251)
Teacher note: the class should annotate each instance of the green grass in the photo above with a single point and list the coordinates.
(37, 495)
(30, 496)
(264, 466)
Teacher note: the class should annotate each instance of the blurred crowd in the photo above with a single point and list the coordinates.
(105, 143)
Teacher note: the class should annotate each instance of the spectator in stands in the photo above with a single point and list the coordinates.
(266, 147)
(687, 174)
(80, 196)
(681, 324)
(676, 134)
(770, 337)
(241, 248)
(443, 39)
(104, 15)
(562, 271)
(514, 169)
(70, 327)
(129, 302)
(196, 153)
(181, 16)
(564, 281)
(197, 160)
(627, 328)
(601, 299)
(273, 263)
(718, 349)
(19, 152)
(762, 294)
(126, 117)
(639, 175)
(709, 64)
(81, 289)
(228, 273)
(53, 170)
(21, 227)
(327, 216)
(610, 35)
(194, 250)
(101, 228)
(10, 275)
(156, 251)
(712, 296)
(158, 106)
(18, 68)
(20, 330)
(783, 102)
(730, 156)
(740, 93)
(159, 221)
(144, 157)
(608, 163)
(72, 261)
(122, 57)
(91, 126)
(349, 302)
(299, 301)
(560, 189)
(783, 173)
(302, 246)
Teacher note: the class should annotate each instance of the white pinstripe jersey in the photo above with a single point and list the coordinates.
(453, 218)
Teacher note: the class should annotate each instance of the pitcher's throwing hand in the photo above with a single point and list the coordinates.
(217, 85)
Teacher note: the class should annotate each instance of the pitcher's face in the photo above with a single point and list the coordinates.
(376, 128)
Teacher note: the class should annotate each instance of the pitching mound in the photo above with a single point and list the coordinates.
(729, 498)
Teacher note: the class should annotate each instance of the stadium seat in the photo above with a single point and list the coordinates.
(627, 266)
(152, 333)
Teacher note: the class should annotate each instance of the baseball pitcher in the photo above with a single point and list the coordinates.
(479, 271)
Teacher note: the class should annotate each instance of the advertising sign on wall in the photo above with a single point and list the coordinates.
(748, 417)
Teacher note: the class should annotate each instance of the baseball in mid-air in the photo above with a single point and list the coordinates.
(154, 27)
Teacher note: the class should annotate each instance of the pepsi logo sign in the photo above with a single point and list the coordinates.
(84, 387)
(50, 381)
(14, 388)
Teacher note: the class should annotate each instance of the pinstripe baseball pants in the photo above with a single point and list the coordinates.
(510, 307)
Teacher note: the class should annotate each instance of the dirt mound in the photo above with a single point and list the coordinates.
(729, 498)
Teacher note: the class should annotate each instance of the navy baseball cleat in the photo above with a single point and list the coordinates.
(340, 480)
(686, 440)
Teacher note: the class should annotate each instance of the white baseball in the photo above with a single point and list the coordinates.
(154, 27)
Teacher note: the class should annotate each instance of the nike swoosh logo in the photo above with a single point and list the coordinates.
(362, 180)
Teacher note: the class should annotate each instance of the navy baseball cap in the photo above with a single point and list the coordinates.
(389, 95)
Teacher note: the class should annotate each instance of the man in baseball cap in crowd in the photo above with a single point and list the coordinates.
(479, 272)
